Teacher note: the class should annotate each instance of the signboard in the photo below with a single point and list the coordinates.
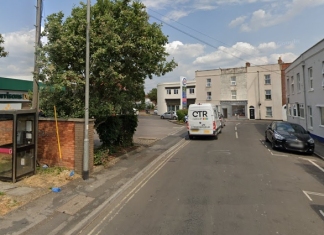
(183, 83)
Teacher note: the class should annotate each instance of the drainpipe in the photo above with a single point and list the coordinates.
(259, 103)
(305, 98)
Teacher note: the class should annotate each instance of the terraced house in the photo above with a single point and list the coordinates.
(305, 90)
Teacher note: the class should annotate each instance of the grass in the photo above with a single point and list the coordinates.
(50, 170)
(2, 193)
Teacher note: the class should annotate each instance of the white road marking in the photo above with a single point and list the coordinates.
(307, 193)
(139, 186)
(322, 213)
(307, 196)
(95, 213)
(236, 135)
(273, 154)
(316, 165)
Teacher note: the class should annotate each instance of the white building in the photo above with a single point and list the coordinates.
(169, 95)
(305, 90)
(253, 92)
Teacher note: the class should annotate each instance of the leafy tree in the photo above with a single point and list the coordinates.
(125, 49)
(153, 95)
(2, 50)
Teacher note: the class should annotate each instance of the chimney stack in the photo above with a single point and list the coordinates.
(247, 64)
(279, 60)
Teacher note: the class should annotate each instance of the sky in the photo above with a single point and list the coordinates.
(202, 34)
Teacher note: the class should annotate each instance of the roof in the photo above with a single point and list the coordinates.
(15, 84)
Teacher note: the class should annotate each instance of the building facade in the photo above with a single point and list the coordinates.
(305, 90)
(169, 96)
(14, 93)
(253, 92)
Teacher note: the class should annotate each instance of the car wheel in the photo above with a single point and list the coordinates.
(273, 146)
(311, 152)
(174, 118)
(266, 138)
(162, 117)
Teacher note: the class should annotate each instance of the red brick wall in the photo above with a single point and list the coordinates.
(6, 132)
(283, 82)
(71, 132)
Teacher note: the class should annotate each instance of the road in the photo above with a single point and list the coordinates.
(233, 185)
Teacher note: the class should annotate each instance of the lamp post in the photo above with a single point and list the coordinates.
(85, 171)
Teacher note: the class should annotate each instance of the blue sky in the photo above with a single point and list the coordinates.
(203, 34)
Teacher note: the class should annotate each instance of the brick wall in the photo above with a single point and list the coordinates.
(71, 134)
(6, 132)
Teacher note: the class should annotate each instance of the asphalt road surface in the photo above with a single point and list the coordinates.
(233, 185)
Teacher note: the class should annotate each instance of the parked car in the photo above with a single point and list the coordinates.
(155, 111)
(289, 136)
(169, 115)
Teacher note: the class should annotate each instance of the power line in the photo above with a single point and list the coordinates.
(206, 43)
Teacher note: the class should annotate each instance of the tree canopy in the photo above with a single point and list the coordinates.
(153, 95)
(124, 50)
(3, 53)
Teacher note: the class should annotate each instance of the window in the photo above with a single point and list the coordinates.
(295, 112)
(310, 78)
(168, 91)
(287, 86)
(175, 91)
(233, 81)
(301, 110)
(292, 85)
(322, 115)
(267, 79)
(192, 91)
(289, 109)
(208, 95)
(298, 82)
(233, 95)
(268, 94)
(269, 111)
(310, 116)
(208, 84)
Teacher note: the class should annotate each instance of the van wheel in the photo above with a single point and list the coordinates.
(220, 130)
(190, 137)
(216, 137)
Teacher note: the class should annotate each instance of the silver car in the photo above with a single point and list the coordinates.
(169, 115)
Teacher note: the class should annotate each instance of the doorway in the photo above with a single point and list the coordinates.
(252, 115)
(225, 113)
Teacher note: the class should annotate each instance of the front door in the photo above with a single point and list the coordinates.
(225, 113)
(252, 113)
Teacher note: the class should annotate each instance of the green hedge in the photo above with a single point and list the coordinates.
(181, 113)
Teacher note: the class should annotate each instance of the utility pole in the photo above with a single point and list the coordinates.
(85, 171)
(37, 42)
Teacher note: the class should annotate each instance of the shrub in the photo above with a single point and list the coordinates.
(181, 113)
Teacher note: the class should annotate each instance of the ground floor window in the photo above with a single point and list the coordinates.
(173, 107)
(269, 111)
(322, 115)
(310, 116)
(301, 110)
(238, 110)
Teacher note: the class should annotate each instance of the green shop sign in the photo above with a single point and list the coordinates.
(11, 96)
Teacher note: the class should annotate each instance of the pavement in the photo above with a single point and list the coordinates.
(17, 190)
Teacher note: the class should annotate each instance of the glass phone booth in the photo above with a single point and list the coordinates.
(18, 141)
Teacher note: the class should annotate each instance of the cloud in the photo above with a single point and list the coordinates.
(275, 13)
(238, 21)
(20, 62)
(267, 46)
(178, 49)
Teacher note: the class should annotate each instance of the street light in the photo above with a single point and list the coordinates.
(85, 171)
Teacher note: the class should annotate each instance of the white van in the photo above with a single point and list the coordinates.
(203, 120)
